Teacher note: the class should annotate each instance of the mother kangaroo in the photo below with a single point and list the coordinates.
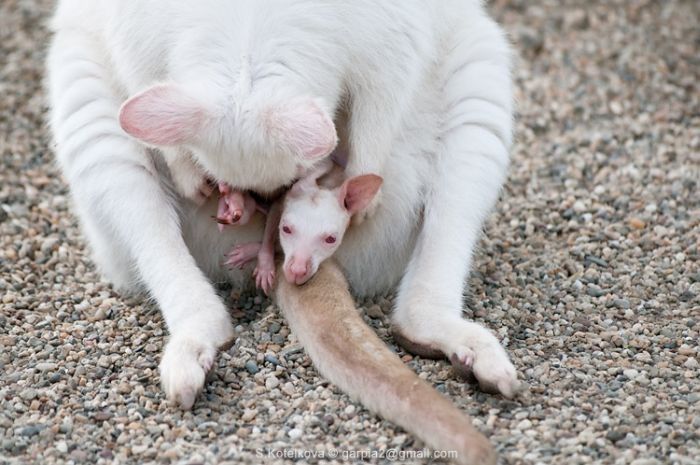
(150, 98)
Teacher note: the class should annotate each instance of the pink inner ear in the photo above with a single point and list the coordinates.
(162, 115)
(356, 193)
(305, 127)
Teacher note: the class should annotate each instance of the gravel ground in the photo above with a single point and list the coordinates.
(589, 272)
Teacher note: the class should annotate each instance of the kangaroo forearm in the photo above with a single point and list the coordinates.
(271, 229)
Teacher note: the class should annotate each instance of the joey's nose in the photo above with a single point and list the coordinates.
(298, 271)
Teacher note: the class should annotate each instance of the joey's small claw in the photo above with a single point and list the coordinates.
(270, 284)
(221, 220)
(221, 223)
(264, 279)
(242, 254)
(234, 263)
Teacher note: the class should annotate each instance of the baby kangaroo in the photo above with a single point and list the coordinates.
(309, 221)
(235, 206)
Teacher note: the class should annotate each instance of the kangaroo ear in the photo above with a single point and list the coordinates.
(162, 115)
(356, 193)
(303, 127)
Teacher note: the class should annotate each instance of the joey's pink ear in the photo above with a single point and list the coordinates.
(356, 193)
(162, 115)
(304, 127)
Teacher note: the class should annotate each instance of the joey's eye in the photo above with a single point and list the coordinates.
(330, 239)
(286, 230)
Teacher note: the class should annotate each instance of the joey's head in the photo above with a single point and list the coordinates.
(314, 221)
(260, 143)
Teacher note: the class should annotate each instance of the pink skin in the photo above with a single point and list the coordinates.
(162, 115)
(264, 272)
(243, 254)
(235, 207)
(298, 270)
(264, 252)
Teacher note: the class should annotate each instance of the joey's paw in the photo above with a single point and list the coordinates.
(241, 255)
(183, 369)
(264, 278)
(235, 207)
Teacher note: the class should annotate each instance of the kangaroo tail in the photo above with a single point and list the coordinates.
(346, 351)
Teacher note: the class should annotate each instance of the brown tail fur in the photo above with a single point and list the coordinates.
(347, 352)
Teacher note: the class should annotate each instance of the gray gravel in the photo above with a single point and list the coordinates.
(589, 272)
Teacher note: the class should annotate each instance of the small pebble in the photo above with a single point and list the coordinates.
(636, 223)
(615, 435)
(271, 382)
(46, 366)
(595, 291)
(252, 367)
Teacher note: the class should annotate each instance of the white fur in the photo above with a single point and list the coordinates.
(314, 213)
(425, 85)
(311, 216)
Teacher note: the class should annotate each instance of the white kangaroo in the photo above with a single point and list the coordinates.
(249, 94)
(308, 222)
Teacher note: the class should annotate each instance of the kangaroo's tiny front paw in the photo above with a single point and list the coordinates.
(184, 367)
(235, 207)
(264, 277)
(242, 254)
